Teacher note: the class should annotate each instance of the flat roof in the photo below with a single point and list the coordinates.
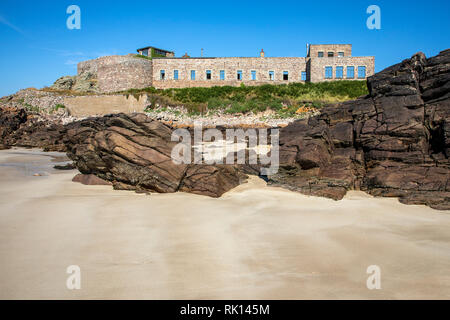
(154, 48)
(205, 58)
(331, 44)
(186, 57)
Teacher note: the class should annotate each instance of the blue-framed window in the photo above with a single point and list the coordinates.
(239, 75)
(340, 54)
(286, 75)
(175, 74)
(271, 75)
(253, 75)
(328, 72)
(339, 72)
(162, 75)
(361, 72)
(222, 74)
(303, 76)
(320, 54)
(208, 74)
(192, 74)
(351, 72)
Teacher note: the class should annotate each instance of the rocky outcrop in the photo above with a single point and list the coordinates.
(22, 129)
(394, 142)
(83, 82)
(133, 152)
(35, 133)
(64, 83)
(10, 121)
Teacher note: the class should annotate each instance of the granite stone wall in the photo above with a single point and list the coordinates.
(231, 66)
(317, 67)
(117, 73)
(89, 66)
(314, 49)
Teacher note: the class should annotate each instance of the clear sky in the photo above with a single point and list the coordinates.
(36, 47)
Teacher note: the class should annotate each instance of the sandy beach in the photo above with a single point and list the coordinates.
(255, 242)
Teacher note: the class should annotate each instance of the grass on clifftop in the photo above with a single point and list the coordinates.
(285, 99)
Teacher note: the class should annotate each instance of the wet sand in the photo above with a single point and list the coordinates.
(255, 242)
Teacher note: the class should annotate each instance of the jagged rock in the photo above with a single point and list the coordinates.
(210, 180)
(133, 152)
(64, 83)
(10, 120)
(394, 142)
(21, 129)
(36, 133)
(84, 82)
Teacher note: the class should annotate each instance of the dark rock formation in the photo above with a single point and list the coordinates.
(395, 142)
(10, 121)
(39, 134)
(133, 152)
(22, 129)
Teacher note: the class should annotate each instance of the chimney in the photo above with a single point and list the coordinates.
(262, 53)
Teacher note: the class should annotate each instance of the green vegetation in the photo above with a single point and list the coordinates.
(31, 108)
(285, 100)
(153, 54)
(57, 107)
(156, 55)
(142, 57)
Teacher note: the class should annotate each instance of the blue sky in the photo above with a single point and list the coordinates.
(36, 47)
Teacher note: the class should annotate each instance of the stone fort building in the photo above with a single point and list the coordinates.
(161, 69)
